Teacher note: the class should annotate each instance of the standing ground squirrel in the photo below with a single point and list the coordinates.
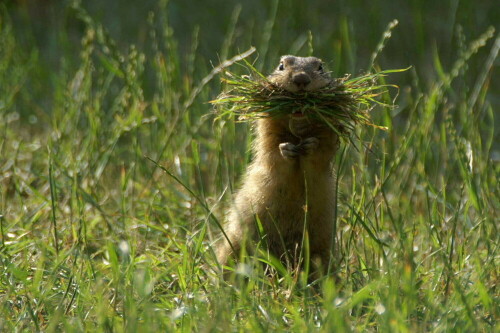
(289, 185)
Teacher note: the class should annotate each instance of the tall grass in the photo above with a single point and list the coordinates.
(114, 177)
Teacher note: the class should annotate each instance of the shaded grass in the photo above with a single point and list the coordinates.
(417, 240)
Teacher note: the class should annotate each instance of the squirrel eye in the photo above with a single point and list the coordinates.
(281, 67)
(320, 68)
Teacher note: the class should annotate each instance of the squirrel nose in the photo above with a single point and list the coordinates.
(301, 80)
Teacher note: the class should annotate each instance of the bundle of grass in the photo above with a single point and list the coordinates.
(342, 105)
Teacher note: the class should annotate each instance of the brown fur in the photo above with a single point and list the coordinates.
(287, 189)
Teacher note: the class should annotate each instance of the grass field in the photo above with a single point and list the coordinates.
(114, 175)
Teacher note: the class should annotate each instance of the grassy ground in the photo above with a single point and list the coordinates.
(97, 237)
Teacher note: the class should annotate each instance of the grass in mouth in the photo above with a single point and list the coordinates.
(345, 103)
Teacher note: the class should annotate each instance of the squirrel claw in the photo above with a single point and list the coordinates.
(309, 145)
(290, 151)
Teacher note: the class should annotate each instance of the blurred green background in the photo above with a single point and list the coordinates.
(345, 32)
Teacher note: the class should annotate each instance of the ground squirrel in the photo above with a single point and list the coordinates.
(289, 185)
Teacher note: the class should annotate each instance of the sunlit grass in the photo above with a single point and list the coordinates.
(97, 237)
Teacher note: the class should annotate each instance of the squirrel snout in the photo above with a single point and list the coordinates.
(301, 80)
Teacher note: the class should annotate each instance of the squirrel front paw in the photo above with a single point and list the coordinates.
(290, 151)
(308, 145)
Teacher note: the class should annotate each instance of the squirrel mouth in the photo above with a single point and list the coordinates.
(298, 114)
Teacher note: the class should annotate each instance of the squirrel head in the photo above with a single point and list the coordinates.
(300, 74)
